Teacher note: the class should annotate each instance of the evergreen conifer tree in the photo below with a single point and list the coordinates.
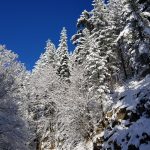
(63, 59)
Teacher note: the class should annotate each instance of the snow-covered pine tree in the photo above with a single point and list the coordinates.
(40, 85)
(96, 76)
(63, 58)
(82, 42)
(115, 26)
(84, 21)
(82, 47)
(81, 38)
(101, 62)
(78, 59)
(49, 56)
(115, 16)
(50, 52)
(108, 35)
(99, 22)
(94, 51)
(99, 15)
(134, 39)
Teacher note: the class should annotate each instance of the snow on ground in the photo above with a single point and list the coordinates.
(128, 92)
(129, 123)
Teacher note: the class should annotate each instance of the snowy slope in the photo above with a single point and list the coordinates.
(127, 125)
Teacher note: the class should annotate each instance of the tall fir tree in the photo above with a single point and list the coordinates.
(98, 58)
(48, 58)
(82, 47)
(40, 85)
(134, 39)
(97, 76)
(63, 58)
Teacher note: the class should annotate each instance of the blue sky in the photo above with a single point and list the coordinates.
(27, 24)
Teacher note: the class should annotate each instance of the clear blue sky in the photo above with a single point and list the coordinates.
(27, 24)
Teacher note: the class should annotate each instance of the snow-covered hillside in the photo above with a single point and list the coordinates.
(127, 125)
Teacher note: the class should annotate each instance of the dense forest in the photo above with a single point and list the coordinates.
(97, 98)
